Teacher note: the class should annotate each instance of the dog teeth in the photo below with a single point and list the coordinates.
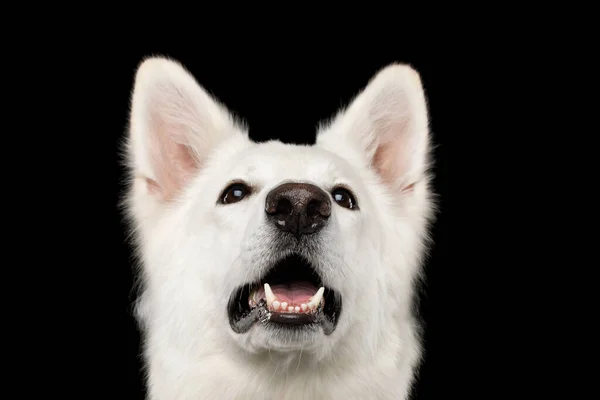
(269, 294)
(252, 300)
(275, 305)
(316, 299)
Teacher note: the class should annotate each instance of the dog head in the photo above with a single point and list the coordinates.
(277, 247)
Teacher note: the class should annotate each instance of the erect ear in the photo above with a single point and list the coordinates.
(174, 125)
(386, 127)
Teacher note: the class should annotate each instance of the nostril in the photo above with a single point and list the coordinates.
(314, 208)
(284, 207)
(325, 208)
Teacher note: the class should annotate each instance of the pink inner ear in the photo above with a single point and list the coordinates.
(384, 162)
(173, 161)
(392, 156)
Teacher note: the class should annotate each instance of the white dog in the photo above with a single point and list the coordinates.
(278, 271)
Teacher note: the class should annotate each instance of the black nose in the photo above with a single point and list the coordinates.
(298, 208)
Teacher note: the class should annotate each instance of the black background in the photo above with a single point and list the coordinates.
(283, 94)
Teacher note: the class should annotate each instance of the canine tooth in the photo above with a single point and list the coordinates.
(284, 306)
(269, 294)
(276, 305)
(316, 299)
(297, 309)
(290, 308)
(303, 306)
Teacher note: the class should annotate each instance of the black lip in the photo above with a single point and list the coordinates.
(292, 318)
(242, 317)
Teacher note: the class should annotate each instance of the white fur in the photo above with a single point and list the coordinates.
(183, 150)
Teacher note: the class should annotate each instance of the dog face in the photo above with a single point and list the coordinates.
(277, 247)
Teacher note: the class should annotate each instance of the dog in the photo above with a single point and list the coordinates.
(272, 270)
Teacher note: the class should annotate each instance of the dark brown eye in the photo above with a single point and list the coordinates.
(344, 198)
(234, 193)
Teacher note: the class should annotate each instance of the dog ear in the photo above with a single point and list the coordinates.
(174, 125)
(386, 127)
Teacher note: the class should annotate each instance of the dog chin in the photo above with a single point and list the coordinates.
(267, 336)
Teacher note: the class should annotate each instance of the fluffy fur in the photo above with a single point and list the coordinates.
(184, 148)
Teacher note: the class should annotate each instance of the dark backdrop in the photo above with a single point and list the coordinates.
(283, 95)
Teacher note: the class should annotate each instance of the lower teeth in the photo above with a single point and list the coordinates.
(301, 309)
(283, 307)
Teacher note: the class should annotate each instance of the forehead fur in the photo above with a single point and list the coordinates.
(273, 161)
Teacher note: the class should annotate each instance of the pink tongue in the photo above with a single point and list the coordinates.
(296, 293)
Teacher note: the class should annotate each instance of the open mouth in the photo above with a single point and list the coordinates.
(290, 296)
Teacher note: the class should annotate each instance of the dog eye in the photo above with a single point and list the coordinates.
(234, 193)
(344, 198)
